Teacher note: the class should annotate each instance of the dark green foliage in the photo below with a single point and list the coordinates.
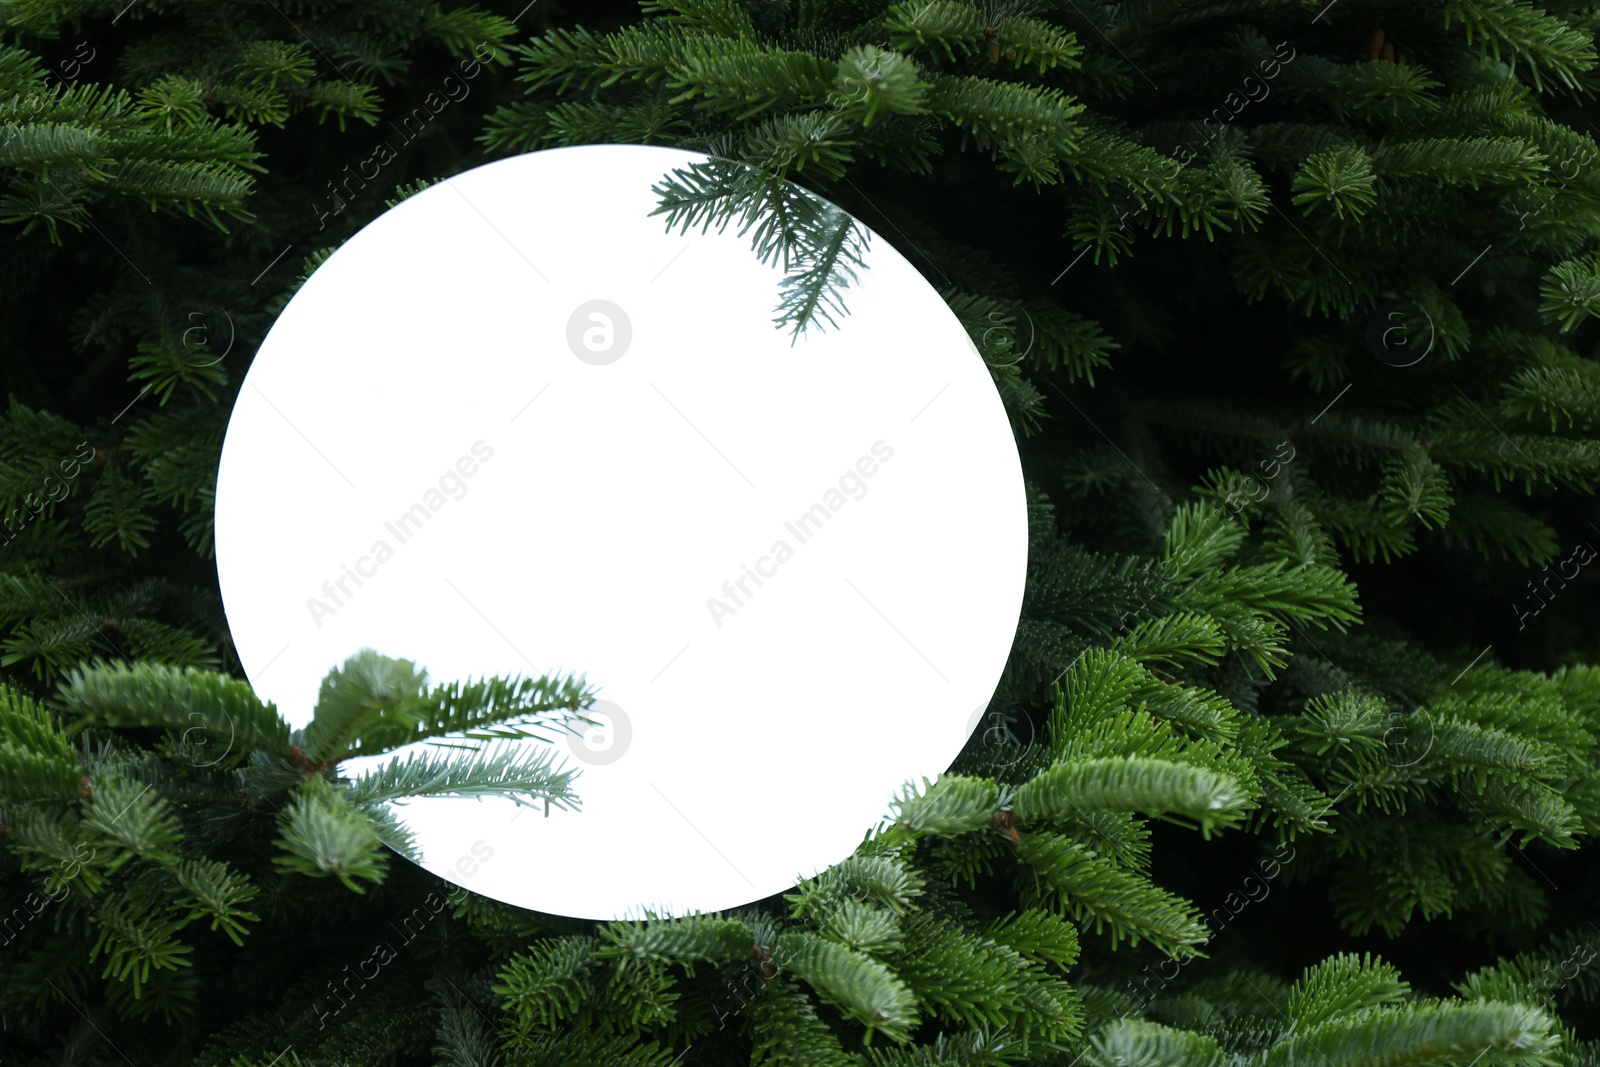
(131, 843)
(131, 153)
(1290, 305)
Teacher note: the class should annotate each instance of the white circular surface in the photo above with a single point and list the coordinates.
(437, 410)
